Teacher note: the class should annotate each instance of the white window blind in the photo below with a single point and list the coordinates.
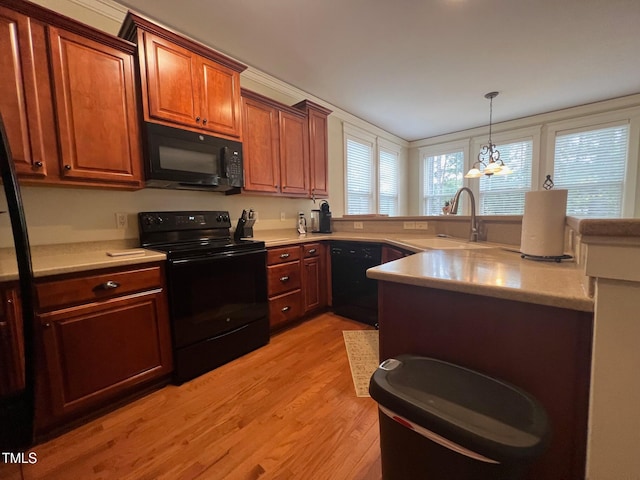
(504, 194)
(359, 177)
(442, 178)
(388, 182)
(591, 166)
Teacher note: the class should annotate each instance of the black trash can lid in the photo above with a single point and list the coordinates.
(483, 414)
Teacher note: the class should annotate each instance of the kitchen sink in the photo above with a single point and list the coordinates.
(444, 243)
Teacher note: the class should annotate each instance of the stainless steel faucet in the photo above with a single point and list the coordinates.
(473, 237)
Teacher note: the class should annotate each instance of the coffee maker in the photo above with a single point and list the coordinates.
(321, 219)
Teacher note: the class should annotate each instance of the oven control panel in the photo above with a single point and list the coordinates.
(179, 221)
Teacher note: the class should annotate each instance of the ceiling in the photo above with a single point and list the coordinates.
(421, 68)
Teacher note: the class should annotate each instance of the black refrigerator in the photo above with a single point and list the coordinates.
(17, 407)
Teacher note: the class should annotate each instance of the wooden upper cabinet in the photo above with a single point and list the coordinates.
(25, 102)
(172, 85)
(318, 147)
(260, 146)
(220, 98)
(68, 100)
(294, 157)
(275, 150)
(185, 83)
(96, 110)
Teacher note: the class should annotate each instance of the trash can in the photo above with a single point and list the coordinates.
(440, 421)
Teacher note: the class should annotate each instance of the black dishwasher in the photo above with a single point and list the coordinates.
(354, 295)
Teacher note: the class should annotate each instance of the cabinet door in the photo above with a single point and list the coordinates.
(97, 351)
(96, 110)
(294, 158)
(260, 147)
(314, 277)
(318, 156)
(172, 82)
(220, 94)
(11, 346)
(25, 101)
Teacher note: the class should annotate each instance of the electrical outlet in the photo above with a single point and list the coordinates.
(358, 225)
(409, 225)
(283, 217)
(121, 220)
(422, 225)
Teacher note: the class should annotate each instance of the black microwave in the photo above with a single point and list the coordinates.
(181, 159)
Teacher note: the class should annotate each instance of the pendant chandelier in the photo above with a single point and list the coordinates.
(489, 162)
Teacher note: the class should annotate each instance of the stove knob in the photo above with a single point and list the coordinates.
(159, 220)
(219, 218)
(147, 220)
(225, 218)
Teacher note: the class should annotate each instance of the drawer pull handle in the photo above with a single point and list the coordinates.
(285, 309)
(312, 251)
(284, 279)
(284, 255)
(110, 285)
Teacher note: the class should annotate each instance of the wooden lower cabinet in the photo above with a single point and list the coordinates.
(11, 343)
(390, 254)
(314, 276)
(297, 282)
(107, 337)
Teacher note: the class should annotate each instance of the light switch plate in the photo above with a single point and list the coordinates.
(358, 225)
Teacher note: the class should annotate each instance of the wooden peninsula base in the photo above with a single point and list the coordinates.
(541, 349)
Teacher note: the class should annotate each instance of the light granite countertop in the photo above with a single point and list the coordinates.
(77, 257)
(493, 271)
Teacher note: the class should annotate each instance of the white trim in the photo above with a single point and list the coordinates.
(106, 8)
(612, 105)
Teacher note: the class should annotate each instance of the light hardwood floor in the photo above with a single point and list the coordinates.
(285, 411)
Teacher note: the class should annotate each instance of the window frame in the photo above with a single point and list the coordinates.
(627, 116)
(377, 144)
(442, 149)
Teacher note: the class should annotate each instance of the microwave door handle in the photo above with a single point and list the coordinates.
(224, 162)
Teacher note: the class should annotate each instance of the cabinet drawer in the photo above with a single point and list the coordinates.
(282, 278)
(282, 255)
(311, 250)
(88, 288)
(285, 308)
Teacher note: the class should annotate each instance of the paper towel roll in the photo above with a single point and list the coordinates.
(543, 223)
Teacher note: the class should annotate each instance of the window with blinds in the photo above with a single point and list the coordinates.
(591, 166)
(504, 194)
(360, 174)
(388, 182)
(442, 177)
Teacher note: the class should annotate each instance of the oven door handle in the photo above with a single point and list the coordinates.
(212, 258)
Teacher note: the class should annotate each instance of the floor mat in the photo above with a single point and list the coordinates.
(362, 350)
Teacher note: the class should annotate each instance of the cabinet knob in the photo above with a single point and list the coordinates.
(67, 167)
(284, 255)
(38, 164)
(198, 119)
(46, 325)
(312, 251)
(110, 285)
(10, 301)
(204, 120)
(284, 279)
(285, 309)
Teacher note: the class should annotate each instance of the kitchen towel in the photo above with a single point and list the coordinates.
(543, 223)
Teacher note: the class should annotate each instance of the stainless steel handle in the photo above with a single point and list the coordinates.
(285, 309)
(284, 255)
(110, 285)
(284, 279)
